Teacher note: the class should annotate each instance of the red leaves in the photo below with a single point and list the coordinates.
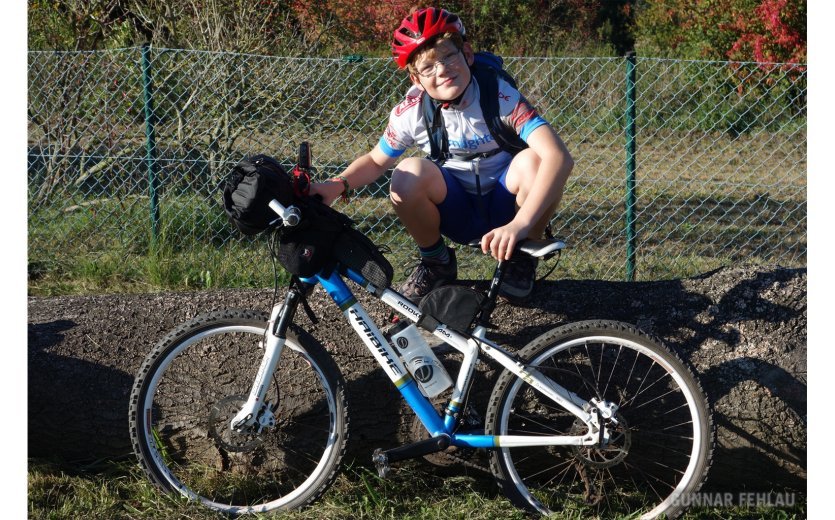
(776, 34)
(356, 24)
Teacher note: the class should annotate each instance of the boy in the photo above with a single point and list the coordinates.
(480, 191)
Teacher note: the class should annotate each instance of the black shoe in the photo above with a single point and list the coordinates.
(519, 276)
(428, 276)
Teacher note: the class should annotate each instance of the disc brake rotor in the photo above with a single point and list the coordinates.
(220, 429)
(615, 450)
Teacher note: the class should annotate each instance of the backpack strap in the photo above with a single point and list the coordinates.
(488, 84)
(435, 128)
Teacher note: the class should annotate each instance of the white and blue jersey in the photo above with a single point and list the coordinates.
(467, 132)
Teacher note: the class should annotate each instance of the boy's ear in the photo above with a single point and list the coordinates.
(469, 54)
(416, 81)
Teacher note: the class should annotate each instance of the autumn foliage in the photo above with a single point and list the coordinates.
(740, 30)
(776, 34)
(771, 31)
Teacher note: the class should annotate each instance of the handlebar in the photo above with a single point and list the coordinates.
(289, 216)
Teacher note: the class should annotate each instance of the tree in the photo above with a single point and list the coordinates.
(323, 26)
(742, 30)
(777, 33)
(252, 26)
(76, 24)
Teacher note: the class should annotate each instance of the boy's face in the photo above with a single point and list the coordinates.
(443, 70)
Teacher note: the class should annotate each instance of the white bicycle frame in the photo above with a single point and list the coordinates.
(256, 414)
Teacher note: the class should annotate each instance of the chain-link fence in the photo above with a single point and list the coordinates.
(680, 166)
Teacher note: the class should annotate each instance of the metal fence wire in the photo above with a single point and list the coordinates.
(129, 147)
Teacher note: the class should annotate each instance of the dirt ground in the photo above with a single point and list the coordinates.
(742, 328)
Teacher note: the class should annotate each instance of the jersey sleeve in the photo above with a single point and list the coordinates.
(400, 132)
(517, 112)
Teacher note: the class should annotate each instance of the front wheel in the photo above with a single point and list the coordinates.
(196, 380)
(661, 430)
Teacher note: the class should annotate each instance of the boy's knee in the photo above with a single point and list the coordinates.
(413, 177)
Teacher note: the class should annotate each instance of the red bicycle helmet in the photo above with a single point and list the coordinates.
(418, 27)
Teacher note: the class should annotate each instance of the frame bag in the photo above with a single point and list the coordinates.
(357, 252)
(455, 306)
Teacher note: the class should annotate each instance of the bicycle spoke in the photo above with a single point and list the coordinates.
(650, 447)
(684, 406)
(614, 364)
(202, 381)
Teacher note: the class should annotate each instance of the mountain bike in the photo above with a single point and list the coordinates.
(247, 412)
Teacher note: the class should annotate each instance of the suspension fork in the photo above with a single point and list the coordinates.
(255, 412)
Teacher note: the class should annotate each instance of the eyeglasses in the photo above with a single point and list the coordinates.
(429, 71)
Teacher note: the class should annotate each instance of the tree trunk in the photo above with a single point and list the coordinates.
(742, 328)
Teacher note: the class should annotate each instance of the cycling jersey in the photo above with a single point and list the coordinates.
(466, 130)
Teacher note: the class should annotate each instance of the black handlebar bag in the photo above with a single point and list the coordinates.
(323, 237)
(308, 248)
(250, 187)
(304, 249)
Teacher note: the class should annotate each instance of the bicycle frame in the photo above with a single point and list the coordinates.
(254, 411)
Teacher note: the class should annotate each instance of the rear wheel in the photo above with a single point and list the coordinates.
(196, 380)
(661, 431)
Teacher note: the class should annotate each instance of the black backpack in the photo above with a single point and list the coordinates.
(486, 69)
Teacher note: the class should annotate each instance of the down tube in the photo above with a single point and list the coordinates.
(382, 352)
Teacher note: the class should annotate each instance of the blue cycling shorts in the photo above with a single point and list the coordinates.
(464, 219)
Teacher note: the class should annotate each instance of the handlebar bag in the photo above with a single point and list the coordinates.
(250, 187)
(308, 248)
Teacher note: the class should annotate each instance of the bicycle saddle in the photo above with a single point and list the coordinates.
(537, 248)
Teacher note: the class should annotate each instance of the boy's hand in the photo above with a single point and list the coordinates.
(329, 190)
(500, 242)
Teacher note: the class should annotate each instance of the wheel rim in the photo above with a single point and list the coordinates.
(662, 384)
(199, 463)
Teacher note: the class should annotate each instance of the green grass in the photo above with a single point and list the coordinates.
(197, 249)
(119, 490)
(704, 200)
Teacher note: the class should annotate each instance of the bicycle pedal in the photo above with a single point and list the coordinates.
(381, 462)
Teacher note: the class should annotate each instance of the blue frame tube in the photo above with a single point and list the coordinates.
(341, 294)
(423, 408)
(466, 440)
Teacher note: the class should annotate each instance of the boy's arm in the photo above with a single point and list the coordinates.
(363, 171)
(554, 168)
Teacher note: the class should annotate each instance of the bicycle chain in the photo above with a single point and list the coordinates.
(466, 460)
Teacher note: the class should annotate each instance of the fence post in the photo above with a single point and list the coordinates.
(630, 166)
(150, 142)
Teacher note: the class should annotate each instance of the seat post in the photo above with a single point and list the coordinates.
(489, 303)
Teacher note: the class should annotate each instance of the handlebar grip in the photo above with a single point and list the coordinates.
(304, 156)
(290, 216)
